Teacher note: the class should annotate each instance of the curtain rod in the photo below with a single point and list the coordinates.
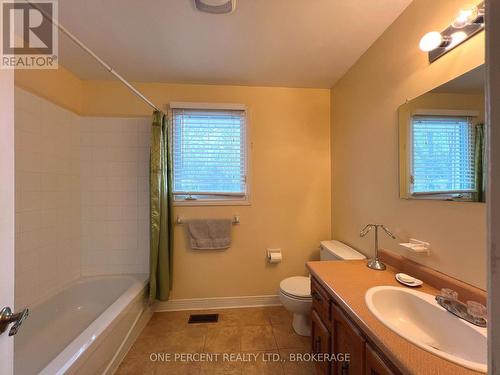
(82, 45)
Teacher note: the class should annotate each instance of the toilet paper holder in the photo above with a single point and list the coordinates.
(273, 255)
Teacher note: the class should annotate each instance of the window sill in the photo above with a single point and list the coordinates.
(212, 203)
(441, 197)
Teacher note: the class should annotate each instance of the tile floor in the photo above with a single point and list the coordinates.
(252, 336)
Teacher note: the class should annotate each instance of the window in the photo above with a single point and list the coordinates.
(442, 156)
(209, 156)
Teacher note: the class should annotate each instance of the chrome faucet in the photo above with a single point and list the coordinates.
(375, 263)
(472, 312)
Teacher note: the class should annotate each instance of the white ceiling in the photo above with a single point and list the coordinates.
(292, 43)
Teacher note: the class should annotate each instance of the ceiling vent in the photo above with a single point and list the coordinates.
(215, 6)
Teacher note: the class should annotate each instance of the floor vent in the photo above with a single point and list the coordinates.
(203, 318)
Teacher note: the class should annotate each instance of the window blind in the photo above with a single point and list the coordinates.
(442, 154)
(209, 153)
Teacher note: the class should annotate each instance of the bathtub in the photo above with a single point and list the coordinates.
(62, 333)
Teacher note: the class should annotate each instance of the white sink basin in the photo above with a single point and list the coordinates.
(418, 318)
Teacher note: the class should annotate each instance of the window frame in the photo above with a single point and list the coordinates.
(222, 201)
(408, 149)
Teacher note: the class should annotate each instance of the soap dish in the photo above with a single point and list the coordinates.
(408, 280)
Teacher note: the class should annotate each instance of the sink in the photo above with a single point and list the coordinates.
(418, 318)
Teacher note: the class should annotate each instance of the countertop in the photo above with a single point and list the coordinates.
(347, 282)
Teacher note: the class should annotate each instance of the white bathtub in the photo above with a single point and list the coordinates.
(62, 332)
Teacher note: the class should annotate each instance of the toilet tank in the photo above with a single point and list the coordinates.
(336, 250)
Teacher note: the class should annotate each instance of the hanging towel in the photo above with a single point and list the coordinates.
(209, 234)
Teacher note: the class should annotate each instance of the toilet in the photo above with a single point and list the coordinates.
(295, 291)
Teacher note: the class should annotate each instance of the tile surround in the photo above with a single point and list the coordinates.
(47, 160)
(114, 156)
(81, 196)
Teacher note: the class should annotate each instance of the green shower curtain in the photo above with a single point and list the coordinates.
(479, 160)
(160, 280)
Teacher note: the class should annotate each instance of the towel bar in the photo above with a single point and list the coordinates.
(236, 220)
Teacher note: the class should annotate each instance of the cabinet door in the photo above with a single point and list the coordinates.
(374, 364)
(348, 346)
(320, 342)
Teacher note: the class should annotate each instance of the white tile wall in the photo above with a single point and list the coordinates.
(114, 157)
(47, 197)
(82, 196)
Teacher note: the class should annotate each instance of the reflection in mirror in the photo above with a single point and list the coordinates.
(441, 141)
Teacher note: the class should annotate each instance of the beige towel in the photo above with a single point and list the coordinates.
(209, 234)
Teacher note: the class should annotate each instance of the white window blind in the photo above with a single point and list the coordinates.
(209, 154)
(442, 155)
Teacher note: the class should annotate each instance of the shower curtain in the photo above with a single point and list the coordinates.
(479, 163)
(161, 243)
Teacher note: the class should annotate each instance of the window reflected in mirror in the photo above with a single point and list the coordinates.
(442, 145)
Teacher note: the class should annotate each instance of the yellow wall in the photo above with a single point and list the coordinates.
(60, 86)
(290, 182)
(365, 146)
(444, 101)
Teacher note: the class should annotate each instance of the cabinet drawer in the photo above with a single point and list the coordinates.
(320, 301)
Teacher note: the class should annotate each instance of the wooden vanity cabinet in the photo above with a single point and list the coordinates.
(321, 342)
(334, 332)
(320, 301)
(374, 364)
(347, 340)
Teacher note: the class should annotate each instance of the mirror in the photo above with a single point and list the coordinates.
(442, 142)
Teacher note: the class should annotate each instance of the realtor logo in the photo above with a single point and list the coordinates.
(29, 37)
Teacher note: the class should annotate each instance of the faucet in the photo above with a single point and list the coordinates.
(375, 263)
(472, 312)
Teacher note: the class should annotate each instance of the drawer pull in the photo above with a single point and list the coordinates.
(317, 296)
(317, 345)
(345, 368)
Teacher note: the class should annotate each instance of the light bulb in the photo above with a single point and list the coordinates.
(465, 17)
(431, 41)
(457, 38)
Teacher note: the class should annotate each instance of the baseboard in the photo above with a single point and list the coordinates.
(217, 303)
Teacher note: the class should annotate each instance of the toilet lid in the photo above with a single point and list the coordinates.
(299, 286)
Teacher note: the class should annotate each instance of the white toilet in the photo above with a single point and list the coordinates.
(295, 292)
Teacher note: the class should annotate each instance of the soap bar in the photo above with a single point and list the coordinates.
(406, 278)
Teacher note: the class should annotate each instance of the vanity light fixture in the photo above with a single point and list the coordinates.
(467, 23)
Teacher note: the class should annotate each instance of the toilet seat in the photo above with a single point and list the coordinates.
(295, 297)
(296, 287)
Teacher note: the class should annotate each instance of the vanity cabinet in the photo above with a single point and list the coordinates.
(320, 301)
(374, 364)
(347, 340)
(334, 332)
(321, 341)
